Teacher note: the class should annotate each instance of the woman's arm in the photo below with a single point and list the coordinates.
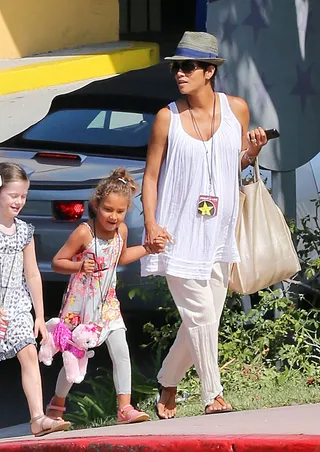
(253, 140)
(34, 282)
(134, 253)
(156, 153)
(62, 261)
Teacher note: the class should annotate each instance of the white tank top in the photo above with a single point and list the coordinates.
(199, 241)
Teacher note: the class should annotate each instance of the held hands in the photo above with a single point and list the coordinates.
(158, 245)
(156, 238)
(40, 326)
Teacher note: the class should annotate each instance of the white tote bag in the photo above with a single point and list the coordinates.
(264, 241)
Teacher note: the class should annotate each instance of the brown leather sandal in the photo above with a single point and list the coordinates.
(224, 407)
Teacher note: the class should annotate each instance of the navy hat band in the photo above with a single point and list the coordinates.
(191, 53)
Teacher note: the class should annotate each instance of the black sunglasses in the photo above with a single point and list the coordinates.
(186, 66)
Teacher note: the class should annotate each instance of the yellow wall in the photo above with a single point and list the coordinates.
(28, 27)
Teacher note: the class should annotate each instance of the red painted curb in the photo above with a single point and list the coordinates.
(298, 443)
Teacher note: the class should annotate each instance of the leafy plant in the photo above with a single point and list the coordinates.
(261, 338)
(96, 405)
(308, 245)
(162, 337)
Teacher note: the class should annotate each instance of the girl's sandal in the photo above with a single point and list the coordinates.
(56, 408)
(127, 416)
(55, 426)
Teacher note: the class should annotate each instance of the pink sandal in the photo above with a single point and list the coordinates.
(61, 410)
(131, 416)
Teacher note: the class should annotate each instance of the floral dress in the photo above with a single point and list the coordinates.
(92, 298)
(15, 298)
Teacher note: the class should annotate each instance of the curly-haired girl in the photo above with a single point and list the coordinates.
(91, 255)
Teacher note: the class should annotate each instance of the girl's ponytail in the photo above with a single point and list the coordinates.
(124, 177)
(120, 182)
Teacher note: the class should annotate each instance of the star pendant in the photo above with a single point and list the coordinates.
(204, 208)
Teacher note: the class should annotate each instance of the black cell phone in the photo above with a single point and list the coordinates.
(272, 133)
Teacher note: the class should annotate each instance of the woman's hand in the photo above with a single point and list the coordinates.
(256, 139)
(40, 326)
(2, 314)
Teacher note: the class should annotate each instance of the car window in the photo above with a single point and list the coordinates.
(96, 127)
(121, 119)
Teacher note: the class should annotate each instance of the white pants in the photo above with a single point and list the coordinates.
(119, 354)
(200, 304)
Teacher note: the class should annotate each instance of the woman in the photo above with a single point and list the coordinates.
(191, 194)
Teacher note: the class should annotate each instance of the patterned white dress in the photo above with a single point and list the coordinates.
(92, 298)
(15, 298)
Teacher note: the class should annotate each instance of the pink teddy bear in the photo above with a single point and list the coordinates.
(74, 346)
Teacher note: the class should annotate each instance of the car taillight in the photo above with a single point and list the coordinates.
(57, 155)
(67, 210)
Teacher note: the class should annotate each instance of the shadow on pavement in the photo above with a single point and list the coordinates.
(15, 430)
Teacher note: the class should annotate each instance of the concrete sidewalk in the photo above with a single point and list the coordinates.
(285, 421)
(70, 65)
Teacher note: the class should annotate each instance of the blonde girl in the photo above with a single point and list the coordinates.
(21, 287)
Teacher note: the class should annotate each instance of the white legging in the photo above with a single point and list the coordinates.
(119, 353)
(200, 304)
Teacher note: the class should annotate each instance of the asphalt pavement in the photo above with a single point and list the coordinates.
(294, 420)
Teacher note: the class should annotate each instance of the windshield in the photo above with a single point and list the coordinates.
(95, 127)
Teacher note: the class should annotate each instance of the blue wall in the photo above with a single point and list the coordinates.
(201, 15)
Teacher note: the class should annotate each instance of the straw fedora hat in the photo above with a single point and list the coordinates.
(198, 45)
